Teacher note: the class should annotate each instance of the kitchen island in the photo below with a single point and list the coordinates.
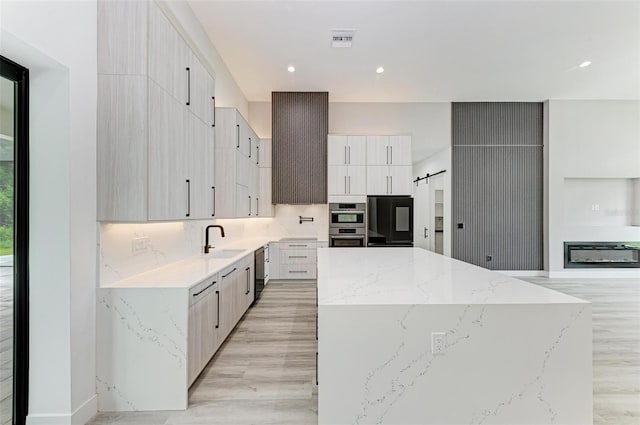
(407, 336)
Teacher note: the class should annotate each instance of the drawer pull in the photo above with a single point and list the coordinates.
(298, 271)
(298, 256)
(298, 246)
(218, 311)
(200, 292)
(234, 269)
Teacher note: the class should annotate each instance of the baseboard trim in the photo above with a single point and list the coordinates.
(80, 416)
(596, 274)
(524, 273)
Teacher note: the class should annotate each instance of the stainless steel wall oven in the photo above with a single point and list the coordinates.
(347, 225)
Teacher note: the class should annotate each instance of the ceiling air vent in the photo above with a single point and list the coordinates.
(342, 38)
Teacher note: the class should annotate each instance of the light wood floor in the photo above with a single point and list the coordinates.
(265, 372)
(616, 344)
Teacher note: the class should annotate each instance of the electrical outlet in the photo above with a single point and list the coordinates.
(438, 342)
(489, 258)
(140, 245)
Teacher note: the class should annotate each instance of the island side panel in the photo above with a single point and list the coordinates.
(142, 349)
(504, 364)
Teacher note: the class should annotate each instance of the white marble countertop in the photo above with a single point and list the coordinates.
(405, 276)
(190, 271)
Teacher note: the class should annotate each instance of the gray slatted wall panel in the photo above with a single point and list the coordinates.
(497, 184)
(300, 125)
(495, 124)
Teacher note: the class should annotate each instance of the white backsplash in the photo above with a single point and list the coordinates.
(173, 241)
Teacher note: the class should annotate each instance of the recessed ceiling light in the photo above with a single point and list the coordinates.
(291, 69)
(585, 64)
(380, 70)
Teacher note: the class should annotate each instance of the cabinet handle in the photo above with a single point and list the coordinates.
(349, 185)
(188, 198)
(349, 154)
(345, 185)
(234, 269)
(257, 206)
(345, 155)
(391, 155)
(387, 155)
(391, 178)
(298, 256)
(425, 233)
(249, 147)
(200, 292)
(298, 271)
(214, 111)
(316, 368)
(218, 311)
(188, 86)
(213, 188)
(299, 246)
(237, 136)
(249, 204)
(258, 155)
(387, 185)
(248, 270)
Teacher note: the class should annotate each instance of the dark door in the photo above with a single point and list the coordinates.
(14, 236)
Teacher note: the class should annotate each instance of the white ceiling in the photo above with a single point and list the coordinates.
(431, 51)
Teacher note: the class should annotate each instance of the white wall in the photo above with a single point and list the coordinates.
(428, 123)
(598, 140)
(228, 93)
(57, 42)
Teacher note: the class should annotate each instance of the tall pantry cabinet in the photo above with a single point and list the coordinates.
(156, 118)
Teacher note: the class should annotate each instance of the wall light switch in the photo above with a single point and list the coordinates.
(438, 342)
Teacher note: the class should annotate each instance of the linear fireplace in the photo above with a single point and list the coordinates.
(601, 254)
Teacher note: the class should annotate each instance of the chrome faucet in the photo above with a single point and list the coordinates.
(207, 247)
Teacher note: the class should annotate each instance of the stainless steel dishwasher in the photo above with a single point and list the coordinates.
(259, 268)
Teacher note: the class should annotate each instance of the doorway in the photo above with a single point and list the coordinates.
(429, 214)
(14, 237)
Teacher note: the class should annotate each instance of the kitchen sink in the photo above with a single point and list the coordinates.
(225, 253)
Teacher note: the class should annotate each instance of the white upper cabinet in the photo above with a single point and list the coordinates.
(389, 150)
(389, 180)
(377, 150)
(357, 150)
(155, 123)
(201, 93)
(264, 153)
(169, 56)
(200, 162)
(237, 174)
(368, 165)
(378, 180)
(336, 150)
(346, 150)
(401, 177)
(169, 183)
(400, 150)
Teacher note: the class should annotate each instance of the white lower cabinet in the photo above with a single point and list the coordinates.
(215, 307)
(204, 300)
(293, 259)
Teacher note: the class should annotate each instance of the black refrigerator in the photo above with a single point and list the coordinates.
(390, 221)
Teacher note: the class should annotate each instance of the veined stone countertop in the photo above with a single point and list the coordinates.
(410, 276)
(190, 271)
